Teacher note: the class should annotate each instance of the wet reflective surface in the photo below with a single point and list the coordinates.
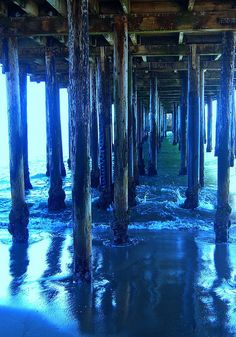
(173, 282)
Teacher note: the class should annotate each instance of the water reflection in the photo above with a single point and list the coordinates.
(170, 284)
(19, 262)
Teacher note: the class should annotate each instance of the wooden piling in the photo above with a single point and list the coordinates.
(222, 217)
(232, 131)
(120, 223)
(56, 199)
(192, 191)
(135, 128)
(209, 124)
(175, 124)
(104, 112)
(183, 125)
(140, 136)
(80, 128)
(131, 180)
(202, 127)
(19, 214)
(152, 163)
(24, 126)
(95, 173)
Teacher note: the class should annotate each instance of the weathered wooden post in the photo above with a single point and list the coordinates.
(183, 125)
(218, 107)
(58, 121)
(120, 223)
(175, 124)
(140, 135)
(222, 217)
(191, 201)
(232, 130)
(19, 215)
(135, 130)
(104, 112)
(80, 128)
(131, 181)
(202, 126)
(95, 173)
(24, 125)
(152, 163)
(56, 199)
(209, 124)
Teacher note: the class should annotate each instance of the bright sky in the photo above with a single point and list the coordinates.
(36, 121)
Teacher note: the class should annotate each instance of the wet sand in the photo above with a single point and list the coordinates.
(174, 281)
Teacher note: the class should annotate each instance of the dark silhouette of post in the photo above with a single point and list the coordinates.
(120, 222)
(80, 128)
(24, 125)
(19, 214)
(56, 199)
(152, 163)
(209, 124)
(222, 217)
(183, 125)
(192, 191)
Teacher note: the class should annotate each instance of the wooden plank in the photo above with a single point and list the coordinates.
(59, 6)
(139, 24)
(29, 7)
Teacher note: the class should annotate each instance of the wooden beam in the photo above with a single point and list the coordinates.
(59, 6)
(191, 4)
(125, 4)
(139, 24)
(29, 7)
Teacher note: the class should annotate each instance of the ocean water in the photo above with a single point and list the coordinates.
(173, 282)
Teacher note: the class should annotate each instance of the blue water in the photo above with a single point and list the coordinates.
(173, 282)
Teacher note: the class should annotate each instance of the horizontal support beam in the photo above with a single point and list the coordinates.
(62, 51)
(141, 24)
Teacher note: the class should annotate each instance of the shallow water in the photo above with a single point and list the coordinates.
(173, 282)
